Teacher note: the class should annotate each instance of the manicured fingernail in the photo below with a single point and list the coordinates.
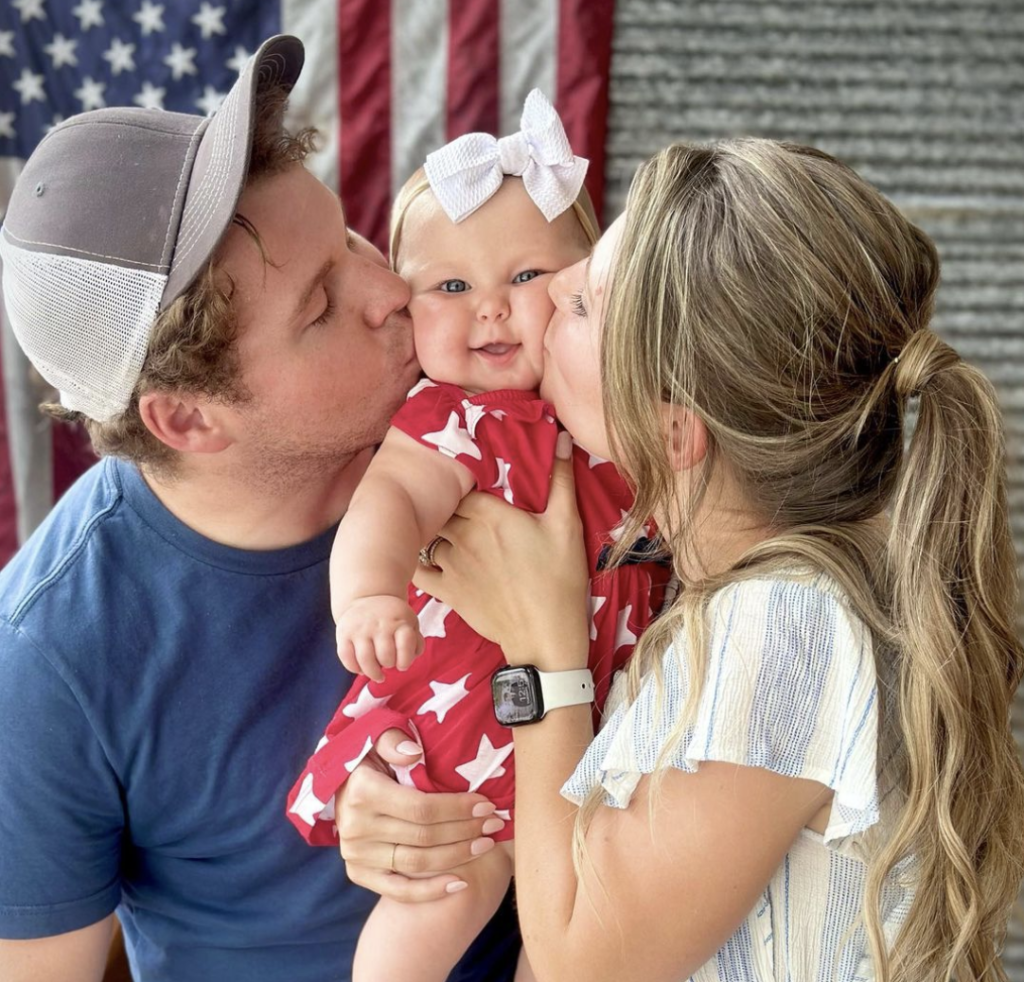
(456, 886)
(483, 809)
(492, 825)
(480, 846)
(409, 748)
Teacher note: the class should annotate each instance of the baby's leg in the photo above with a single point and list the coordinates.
(423, 942)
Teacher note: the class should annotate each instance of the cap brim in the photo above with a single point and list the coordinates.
(222, 161)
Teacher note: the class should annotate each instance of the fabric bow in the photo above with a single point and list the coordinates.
(463, 174)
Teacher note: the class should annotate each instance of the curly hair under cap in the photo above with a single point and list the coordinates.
(192, 347)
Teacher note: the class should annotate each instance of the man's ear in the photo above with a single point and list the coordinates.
(686, 437)
(185, 421)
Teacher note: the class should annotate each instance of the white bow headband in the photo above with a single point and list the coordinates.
(463, 174)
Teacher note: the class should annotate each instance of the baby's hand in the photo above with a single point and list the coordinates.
(378, 632)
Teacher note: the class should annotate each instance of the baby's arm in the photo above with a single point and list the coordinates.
(408, 492)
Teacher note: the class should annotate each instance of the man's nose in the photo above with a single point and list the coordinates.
(387, 293)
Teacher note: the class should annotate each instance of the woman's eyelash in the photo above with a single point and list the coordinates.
(576, 300)
(326, 315)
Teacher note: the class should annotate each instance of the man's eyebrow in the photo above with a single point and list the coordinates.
(312, 286)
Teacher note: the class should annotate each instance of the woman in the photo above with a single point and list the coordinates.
(809, 771)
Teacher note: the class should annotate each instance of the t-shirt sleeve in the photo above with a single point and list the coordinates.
(790, 687)
(61, 817)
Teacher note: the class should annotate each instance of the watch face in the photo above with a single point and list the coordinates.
(516, 694)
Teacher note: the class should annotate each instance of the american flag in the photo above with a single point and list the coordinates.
(385, 82)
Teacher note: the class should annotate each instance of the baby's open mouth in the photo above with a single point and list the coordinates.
(497, 349)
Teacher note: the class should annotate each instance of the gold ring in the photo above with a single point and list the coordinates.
(427, 552)
(394, 849)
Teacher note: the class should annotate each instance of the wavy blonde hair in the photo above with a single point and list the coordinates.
(769, 290)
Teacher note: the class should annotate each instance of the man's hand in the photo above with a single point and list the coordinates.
(401, 842)
(378, 632)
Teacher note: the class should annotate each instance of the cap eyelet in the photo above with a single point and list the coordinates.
(40, 188)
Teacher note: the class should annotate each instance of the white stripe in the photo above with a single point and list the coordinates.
(419, 84)
(315, 99)
(29, 446)
(529, 39)
(29, 442)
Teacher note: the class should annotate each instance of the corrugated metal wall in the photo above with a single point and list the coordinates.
(925, 98)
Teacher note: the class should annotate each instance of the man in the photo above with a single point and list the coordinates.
(166, 652)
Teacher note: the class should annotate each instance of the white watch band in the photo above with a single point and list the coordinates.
(559, 689)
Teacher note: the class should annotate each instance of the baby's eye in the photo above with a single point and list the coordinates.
(453, 286)
(526, 276)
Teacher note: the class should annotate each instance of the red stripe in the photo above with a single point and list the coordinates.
(585, 30)
(474, 50)
(8, 501)
(364, 107)
(72, 455)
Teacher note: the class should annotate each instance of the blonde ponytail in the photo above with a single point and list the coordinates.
(953, 576)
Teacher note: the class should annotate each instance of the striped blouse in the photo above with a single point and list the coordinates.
(791, 686)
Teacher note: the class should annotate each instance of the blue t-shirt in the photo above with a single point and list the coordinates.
(158, 694)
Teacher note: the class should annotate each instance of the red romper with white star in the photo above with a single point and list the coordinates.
(443, 702)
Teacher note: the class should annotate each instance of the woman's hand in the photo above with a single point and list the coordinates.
(516, 578)
(404, 843)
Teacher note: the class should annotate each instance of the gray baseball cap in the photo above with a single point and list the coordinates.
(113, 217)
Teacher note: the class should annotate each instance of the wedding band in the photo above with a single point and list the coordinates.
(427, 552)
(394, 849)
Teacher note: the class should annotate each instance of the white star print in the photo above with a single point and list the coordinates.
(62, 51)
(30, 10)
(7, 43)
(453, 439)
(210, 20)
(150, 17)
(240, 59)
(486, 764)
(30, 86)
(307, 805)
(321, 743)
(596, 603)
(7, 125)
(432, 618)
(120, 57)
(616, 533)
(502, 481)
(473, 416)
(499, 414)
(623, 635)
(356, 761)
(446, 695)
(56, 121)
(365, 702)
(210, 100)
(151, 96)
(89, 14)
(181, 61)
(420, 386)
(592, 458)
(91, 94)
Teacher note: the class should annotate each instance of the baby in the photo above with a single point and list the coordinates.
(478, 248)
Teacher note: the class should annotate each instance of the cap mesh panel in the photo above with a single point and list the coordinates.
(85, 325)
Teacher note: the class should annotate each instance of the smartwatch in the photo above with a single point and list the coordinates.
(523, 693)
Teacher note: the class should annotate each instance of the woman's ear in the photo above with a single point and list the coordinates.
(184, 421)
(686, 437)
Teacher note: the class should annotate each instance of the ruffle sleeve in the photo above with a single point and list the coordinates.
(791, 686)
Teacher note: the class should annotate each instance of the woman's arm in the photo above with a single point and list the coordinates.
(408, 492)
(666, 887)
